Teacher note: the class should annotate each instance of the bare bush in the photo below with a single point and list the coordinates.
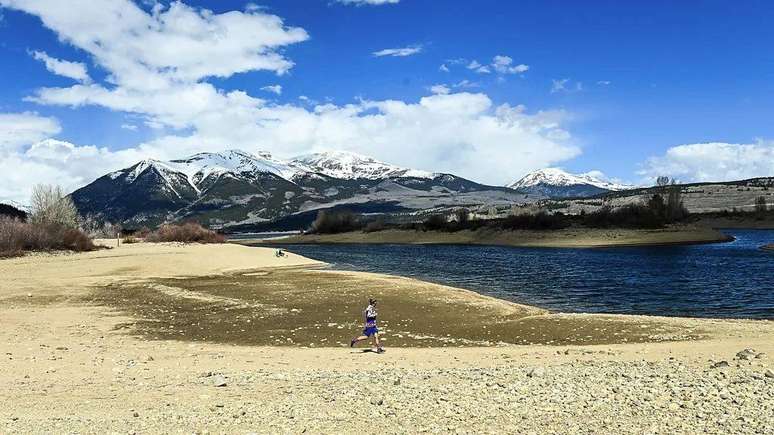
(435, 222)
(50, 206)
(628, 216)
(331, 222)
(96, 228)
(186, 233)
(16, 237)
(374, 226)
(130, 240)
(760, 204)
(538, 221)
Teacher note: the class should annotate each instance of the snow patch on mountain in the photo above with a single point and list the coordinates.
(560, 178)
(351, 166)
(199, 167)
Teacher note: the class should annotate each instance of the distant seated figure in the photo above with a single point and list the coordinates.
(279, 253)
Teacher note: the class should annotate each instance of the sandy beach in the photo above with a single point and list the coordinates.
(566, 238)
(150, 338)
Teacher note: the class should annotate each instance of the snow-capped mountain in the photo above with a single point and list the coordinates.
(199, 167)
(555, 182)
(236, 188)
(351, 166)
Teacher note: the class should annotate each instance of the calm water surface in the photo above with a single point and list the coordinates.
(733, 279)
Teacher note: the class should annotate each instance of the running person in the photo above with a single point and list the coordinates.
(370, 328)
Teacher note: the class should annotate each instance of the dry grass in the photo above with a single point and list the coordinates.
(186, 233)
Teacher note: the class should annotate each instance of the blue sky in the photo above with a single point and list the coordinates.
(614, 86)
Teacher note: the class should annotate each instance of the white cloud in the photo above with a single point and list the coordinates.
(148, 51)
(504, 65)
(477, 67)
(130, 127)
(566, 86)
(604, 82)
(500, 64)
(18, 129)
(443, 68)
(713, 161)
(466, 84)
(276, 89)
(367, 2)
(440, 89)
(399, 52)
(73, 70)
(463, 133)
(56, 162)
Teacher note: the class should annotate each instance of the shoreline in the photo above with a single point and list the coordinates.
(569, 238)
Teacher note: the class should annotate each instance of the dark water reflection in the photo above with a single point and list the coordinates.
(719, 280)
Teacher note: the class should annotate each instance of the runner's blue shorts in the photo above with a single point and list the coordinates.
(371, 330)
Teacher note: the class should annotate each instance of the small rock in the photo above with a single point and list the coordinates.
(719, 364)
(745, 354)
(760, 356)
(769, 373)
(219, 381)
(536, 372)
(377, 401)
(136, 414)
(396, 382)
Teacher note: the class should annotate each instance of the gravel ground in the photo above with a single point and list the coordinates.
(102, 389)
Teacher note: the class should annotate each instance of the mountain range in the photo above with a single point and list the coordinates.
(239, 190)
(557, 183)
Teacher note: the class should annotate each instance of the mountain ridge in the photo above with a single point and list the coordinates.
(237, 188)
(558, 183)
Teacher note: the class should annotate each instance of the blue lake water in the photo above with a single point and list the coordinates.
(734, 279)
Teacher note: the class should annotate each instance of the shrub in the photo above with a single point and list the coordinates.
(436, 222)
(186, 233)
(130, 240)
(374, 226)
(96, 228)
(16, 237)
(50, 206)
(142, 233)
(537, 221)
(760, 205)
(628, 216)
(675, 210)
(330, 222)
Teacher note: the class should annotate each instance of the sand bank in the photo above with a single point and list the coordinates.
(65, 273)
(567, 238)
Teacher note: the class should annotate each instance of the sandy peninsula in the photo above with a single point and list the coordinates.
(566, 238)
(150, 338)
